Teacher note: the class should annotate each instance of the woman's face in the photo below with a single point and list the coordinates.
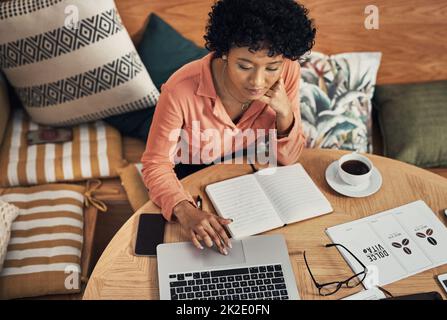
(250, 74)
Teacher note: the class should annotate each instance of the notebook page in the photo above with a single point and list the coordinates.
(243, 200)
(293, 193)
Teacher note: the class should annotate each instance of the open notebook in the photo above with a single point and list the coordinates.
(267, 199)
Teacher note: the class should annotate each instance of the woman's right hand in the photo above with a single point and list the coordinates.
(202, 225)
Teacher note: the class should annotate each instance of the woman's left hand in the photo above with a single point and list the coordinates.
(278, 99)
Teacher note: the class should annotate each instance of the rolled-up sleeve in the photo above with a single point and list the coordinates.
(165, 190)
(289, 148)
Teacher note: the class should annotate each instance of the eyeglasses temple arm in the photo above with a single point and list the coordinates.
(339, 244)
(312, 276)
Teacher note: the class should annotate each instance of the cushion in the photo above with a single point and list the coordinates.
(134, 124)
(163, 51)
(412, 119)
(336, 93)
(72, 61)
(4, 107)
(8, 213)
(132, 181)
(94, 152)
(44, 251)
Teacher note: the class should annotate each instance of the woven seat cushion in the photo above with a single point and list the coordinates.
(94, 152)
(72, 61)
(8, 213)
(45, 247)
(132, 181)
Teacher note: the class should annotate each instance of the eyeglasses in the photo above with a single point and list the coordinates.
(326, 289)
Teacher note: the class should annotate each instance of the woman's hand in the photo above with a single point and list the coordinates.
(202, 225)
(277, 98)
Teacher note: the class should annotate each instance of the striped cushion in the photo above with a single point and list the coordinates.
(67, 73)
(94, 152)
(132, 181)
(46, 241)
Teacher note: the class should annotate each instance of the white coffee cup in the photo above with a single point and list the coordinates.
(355, 179)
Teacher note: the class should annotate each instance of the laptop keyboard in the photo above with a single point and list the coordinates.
(253, 283)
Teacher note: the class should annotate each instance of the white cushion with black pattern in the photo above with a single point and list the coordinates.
(72, 61)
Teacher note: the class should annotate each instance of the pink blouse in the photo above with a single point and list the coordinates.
(191, 124)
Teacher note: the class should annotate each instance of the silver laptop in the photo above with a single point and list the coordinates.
(257, 267)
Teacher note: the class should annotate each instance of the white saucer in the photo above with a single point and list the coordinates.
(364, 190)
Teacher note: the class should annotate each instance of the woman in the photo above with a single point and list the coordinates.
(249, 80)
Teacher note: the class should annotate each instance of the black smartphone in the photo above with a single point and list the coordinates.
(150, 233)
(432, 295)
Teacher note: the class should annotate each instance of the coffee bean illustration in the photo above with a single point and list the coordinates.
(432, 241)
(420, 235)
(429, 232)
(405, 243)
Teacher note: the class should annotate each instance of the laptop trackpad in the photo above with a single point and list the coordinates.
(212, 257)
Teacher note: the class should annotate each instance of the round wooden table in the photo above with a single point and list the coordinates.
(120, 275)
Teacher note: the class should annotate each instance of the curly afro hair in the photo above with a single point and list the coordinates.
(281, 26)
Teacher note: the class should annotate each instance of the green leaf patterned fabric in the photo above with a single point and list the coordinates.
(336, 93)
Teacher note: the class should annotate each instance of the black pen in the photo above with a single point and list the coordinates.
(199, 202)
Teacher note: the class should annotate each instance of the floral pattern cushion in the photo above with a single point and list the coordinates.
(336, 93)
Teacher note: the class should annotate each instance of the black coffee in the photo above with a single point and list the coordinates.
(355, 167)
